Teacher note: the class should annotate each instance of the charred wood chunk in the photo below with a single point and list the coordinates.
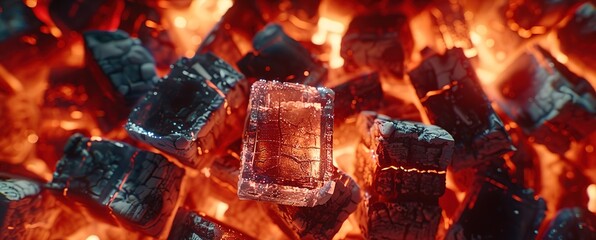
(365, 166)
(120, 183)
(188, 111)
(143, 20)
(361, 93)
(128, 68)
(189, 225)
(577, 36)
(323, 221)
(279, 57)
(24, 209)
(533, 17)
(379, 42)
(123, 71)
(548, 101)
(287, 145)
(16, 19)
(572, 223)
(411, 159)
(232, 36)
(403, 220)
(453, 99)
(496, 208)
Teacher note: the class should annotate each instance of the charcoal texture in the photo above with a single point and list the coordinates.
(411, 160)
(495, 208)
(119, 183)
(323, 221)
(189, 225)
(279, 57)
(188, 111)
(288, 144)
(403, 220)
(548, 101)
(128, 66)
(26, 212)
(377, 41)
(453, 99)
(358, 94)
(403, 165)
(572, 223)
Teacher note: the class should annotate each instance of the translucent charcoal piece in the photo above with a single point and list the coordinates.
(287, 145)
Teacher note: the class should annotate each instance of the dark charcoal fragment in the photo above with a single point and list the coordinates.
(189, 225)
(403, 220)
(188, 111)
(279, 57)
(453, 99)
(548, 101)
(119, 183)
(143, 20)
(411, 159)
(577, 37)
(380, 42)
(128, 66)
(23, 205)
(232, 36)
(361, 93)
(20, 19)
(123, 71)
(572, 223)
(496, 208)
(227, 166)
(322, 221)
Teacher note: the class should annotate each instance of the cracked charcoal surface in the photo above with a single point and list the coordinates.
(361, 93)
(120, 183)
(279, 57)
(323, 221)
(403, 220)
(514, 212)
(23, 204)
(411, 160)
(380, 42)
(188, 111)
(577, 36)
(287, 144)
(453, 99)
(189, 225)
(555, 106)
(365, 167)
(128, 66)
(572, 223)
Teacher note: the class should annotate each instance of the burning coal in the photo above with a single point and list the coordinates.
(282, 119)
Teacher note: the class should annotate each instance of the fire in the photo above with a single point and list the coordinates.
(330, 31)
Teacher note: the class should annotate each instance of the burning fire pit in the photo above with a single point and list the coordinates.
(287, 119)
